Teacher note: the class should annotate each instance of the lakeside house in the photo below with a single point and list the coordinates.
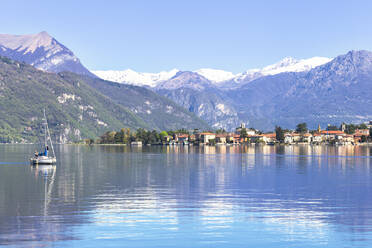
(206, 137)
(136, 143)
(359, 133)
(221, 139)
(263, 138)
(181, 138)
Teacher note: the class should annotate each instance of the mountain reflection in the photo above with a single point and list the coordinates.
(297, 191)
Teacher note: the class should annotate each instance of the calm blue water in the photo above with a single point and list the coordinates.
(111, 196)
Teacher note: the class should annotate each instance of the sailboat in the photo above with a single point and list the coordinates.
(44, 156)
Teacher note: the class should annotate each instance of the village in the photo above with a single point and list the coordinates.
(244, 135)
(346, 134)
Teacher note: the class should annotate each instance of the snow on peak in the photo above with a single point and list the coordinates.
(218, 77)
(288, 64)
(27, 43)
(136, 78)
(215, 75)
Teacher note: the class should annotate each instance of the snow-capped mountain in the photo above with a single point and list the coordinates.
(41, 51)
(287, 93)
(219, 78)
(185, 79)
(136, 78)
(216, 76)
(338, 91)
(287, 64)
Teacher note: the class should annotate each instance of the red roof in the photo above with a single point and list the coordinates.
(362, 131)
(183, 136)
(359, 134)
(207, 133)
(269, 135)
(332, 132)
(221, 135)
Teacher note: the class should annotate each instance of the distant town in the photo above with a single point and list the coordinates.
(345, 134)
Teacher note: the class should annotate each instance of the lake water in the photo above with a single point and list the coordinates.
(115, 196)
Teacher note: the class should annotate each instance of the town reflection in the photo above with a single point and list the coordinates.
(214, 181)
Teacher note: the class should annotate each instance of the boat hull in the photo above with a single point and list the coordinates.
(43, 160)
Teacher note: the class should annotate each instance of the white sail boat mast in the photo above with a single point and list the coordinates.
(44, 158)
(47, 135)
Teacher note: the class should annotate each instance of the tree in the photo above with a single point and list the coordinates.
(111, 137)
(118, 138)
(350, 128)
(141, 135)
(162, 135)
(332, 128)
(279, 134)
(183, 130)
(243, 133)
(125, 135)
(221, 130)
(301, 128)
(108, 137)
(154, 137)
(212, 142)
(89, 141)
(363, 126)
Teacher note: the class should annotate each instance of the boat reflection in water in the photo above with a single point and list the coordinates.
(47, 172)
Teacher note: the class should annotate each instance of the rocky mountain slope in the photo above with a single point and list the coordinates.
(75, 109)
(41, 51)
(156, 111)
(197, 94)
(327, 94)
(331, 93)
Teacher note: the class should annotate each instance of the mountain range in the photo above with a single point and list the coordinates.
(318, 90)
(332, 93)
(219, 78)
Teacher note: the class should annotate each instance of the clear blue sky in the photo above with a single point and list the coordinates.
(159, 35)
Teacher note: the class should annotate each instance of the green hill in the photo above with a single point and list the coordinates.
(75, 110)
(157, 111)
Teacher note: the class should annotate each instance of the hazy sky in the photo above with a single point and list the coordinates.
(161, 35)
